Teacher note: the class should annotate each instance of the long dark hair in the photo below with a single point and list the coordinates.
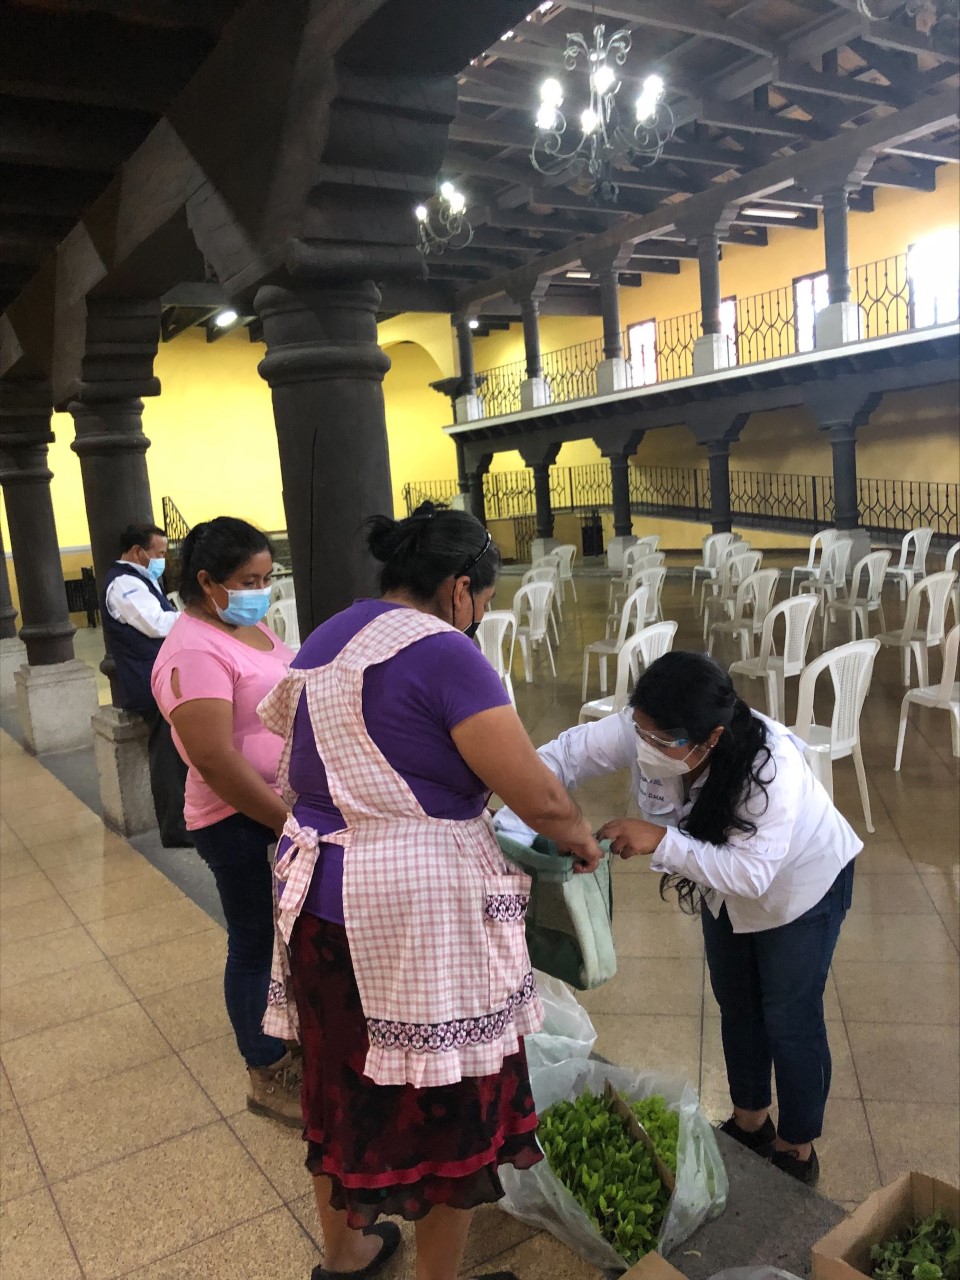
(422, 551)
(220, 546)
(689, 695)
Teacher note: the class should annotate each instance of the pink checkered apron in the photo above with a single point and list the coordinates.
(434, 914)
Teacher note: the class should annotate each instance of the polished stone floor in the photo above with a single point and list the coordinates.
(126, 1147)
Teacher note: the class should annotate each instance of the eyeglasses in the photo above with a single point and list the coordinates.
(656, 741)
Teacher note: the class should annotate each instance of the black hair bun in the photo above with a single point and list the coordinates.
(386, 538)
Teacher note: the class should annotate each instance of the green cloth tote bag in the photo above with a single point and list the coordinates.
(570, 917)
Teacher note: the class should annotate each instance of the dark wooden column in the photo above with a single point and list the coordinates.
(608, 279)
(326, 371)
(530, 315)
(46, 630)
(477, 467)
(618, 446)
(468, 372)
(839, 413)
(107, 410)
(718, 455)
(708, 258)
(8, 614)
(463, 482)
(540, 457)
(836, 248)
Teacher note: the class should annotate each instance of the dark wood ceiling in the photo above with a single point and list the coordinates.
(82, 82)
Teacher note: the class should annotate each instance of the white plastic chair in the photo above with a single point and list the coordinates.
(551, 574)
(620, 590)
(552, 561)
(752, 603)
(944, 696)
(912, 565)
(733, 570)
(797, 613)
(859, 607)
(830, 580)
(497, 637)
(818, 544)
(532, 604)
(638, 651)
(713, 545)
(631, 619)
(851, 669)
(950, 564)
(283, 621)
(174, 598)
(566, 554)
(283, 589)
(739, 547)
(911, 638)
(648, 544)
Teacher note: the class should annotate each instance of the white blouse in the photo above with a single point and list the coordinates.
(769, 878)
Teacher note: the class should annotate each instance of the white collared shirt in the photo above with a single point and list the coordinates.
(766, 879)
(134, 603)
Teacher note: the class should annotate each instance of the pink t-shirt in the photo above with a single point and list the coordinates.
(213, 664)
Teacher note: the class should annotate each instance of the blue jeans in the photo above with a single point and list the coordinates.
(235, 850)
(769, 987)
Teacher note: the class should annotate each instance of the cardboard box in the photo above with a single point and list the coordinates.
(844, 1254)
(653, 1267)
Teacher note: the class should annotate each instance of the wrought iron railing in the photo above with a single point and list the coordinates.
(758, 499)
(440, 492)
(767, 328)
(174, 523)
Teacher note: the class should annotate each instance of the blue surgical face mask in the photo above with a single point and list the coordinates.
(245, 608)
(156, 567)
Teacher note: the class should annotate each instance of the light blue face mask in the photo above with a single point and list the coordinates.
(245, 608)
(156, 567)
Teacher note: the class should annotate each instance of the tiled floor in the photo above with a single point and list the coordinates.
(126, 1146)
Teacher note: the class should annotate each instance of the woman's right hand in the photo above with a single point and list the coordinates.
(587, 854)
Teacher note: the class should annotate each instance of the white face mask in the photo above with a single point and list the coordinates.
(654, 764)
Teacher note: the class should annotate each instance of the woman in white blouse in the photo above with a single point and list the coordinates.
(735, 821)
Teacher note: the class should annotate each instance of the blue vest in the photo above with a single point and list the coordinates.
(133, 652)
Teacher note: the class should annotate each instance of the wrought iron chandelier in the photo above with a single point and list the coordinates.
(442, 222)
(604, 132)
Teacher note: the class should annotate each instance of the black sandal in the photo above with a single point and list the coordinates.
(389, 1233)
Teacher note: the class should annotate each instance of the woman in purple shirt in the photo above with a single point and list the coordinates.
(428, 730)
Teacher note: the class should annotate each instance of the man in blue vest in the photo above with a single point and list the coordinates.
(136, 618)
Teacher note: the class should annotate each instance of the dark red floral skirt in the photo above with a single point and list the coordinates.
(393, 1149)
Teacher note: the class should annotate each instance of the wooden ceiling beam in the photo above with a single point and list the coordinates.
(891, 35)
(790, 75)
(841, 154)
(60, 57)
(680, 15)
(54, 136)
(209, 15)
(939, 152)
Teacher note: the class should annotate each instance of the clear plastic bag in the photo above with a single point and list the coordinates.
(538, 1197)
(567, 1031)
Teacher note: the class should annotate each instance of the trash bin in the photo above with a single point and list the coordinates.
(592, 534)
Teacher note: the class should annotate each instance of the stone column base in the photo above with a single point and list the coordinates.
(55, 705)
(612, 376)
(615, 549)
(534, 393)
(460, 502)
(123, 767)
(837, 324)
(711, 353)
(13, 655)
(467, 408)
(542, 547)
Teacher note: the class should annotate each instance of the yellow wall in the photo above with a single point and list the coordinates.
(214, 447)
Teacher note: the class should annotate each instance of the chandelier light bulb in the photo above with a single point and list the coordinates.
(473, 323)
(446, 190)
(653, 87)
(551, 93)
(457, 201)
(421, 213)
(603, 78)
(589, 120)
(646, 106)
(546, 117)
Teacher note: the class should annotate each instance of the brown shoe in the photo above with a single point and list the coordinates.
(275, 1091)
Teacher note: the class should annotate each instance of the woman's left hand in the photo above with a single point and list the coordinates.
(631, 836)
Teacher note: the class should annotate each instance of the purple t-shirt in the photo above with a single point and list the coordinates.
(410, 705)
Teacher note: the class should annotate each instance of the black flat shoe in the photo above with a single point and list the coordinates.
(805, 1171)
(760, 1142)
(389, 1233)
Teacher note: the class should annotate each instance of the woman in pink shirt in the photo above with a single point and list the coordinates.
(216, 665)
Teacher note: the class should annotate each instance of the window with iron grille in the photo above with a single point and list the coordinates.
(933, 272)
(642, 348)
(810, 295)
